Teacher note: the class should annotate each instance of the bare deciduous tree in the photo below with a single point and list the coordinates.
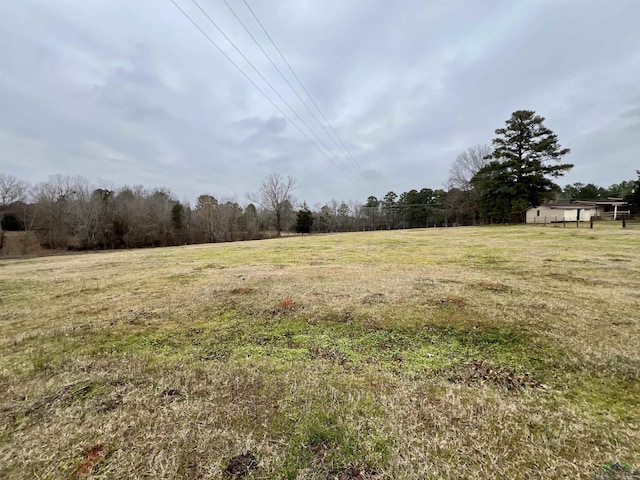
(275, 196)
(12, 190)
(466, 165)
(206, 217)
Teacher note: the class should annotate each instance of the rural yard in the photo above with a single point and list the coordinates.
(476, 352)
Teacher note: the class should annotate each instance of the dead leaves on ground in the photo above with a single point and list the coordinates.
(478, 373)
(91, 457)
(326, 353)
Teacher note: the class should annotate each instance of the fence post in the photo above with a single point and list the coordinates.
(624, 222)
(591, 223)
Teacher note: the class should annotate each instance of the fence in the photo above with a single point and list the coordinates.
(617, 215)
(623, 220)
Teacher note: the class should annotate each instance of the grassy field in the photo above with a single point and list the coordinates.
(495, 352)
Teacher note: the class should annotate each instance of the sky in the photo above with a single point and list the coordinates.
(130, 92)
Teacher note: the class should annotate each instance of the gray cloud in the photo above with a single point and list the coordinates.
(132, 93)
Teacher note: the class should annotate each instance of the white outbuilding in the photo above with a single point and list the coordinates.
(577, 211)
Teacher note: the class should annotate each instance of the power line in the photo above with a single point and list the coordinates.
(301, 84)
(266, 81)
(343, 150)
(254, 84)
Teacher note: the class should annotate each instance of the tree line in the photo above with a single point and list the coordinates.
(485, 185)
(67, 212)
(496, 184)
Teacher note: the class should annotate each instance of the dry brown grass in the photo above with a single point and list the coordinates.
(327, 357)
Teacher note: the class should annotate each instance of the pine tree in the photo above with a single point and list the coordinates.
(304, 220)
(633, 199)
(519, 174)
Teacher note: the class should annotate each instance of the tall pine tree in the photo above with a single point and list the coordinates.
(526, 155)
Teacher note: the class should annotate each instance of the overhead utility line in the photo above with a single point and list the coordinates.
(253, 83)
(335, 160)
(342, 149)
(301, 84)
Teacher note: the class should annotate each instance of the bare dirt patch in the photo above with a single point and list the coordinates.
(171, 394)
(287, 304)
(241, 465)
(357, 472)
(242, 290)
(16, 244)
(491, 285)
(457, 301)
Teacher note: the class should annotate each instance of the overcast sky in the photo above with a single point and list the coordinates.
(130, 92)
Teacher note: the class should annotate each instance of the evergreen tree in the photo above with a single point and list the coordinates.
(633, 198)
(372, 209)
(621, 190)
(417, 207)
(177, 216)
(519, 174)
(389, 209)
(304, 220)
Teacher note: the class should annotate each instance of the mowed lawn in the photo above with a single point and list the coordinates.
(489, 352)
